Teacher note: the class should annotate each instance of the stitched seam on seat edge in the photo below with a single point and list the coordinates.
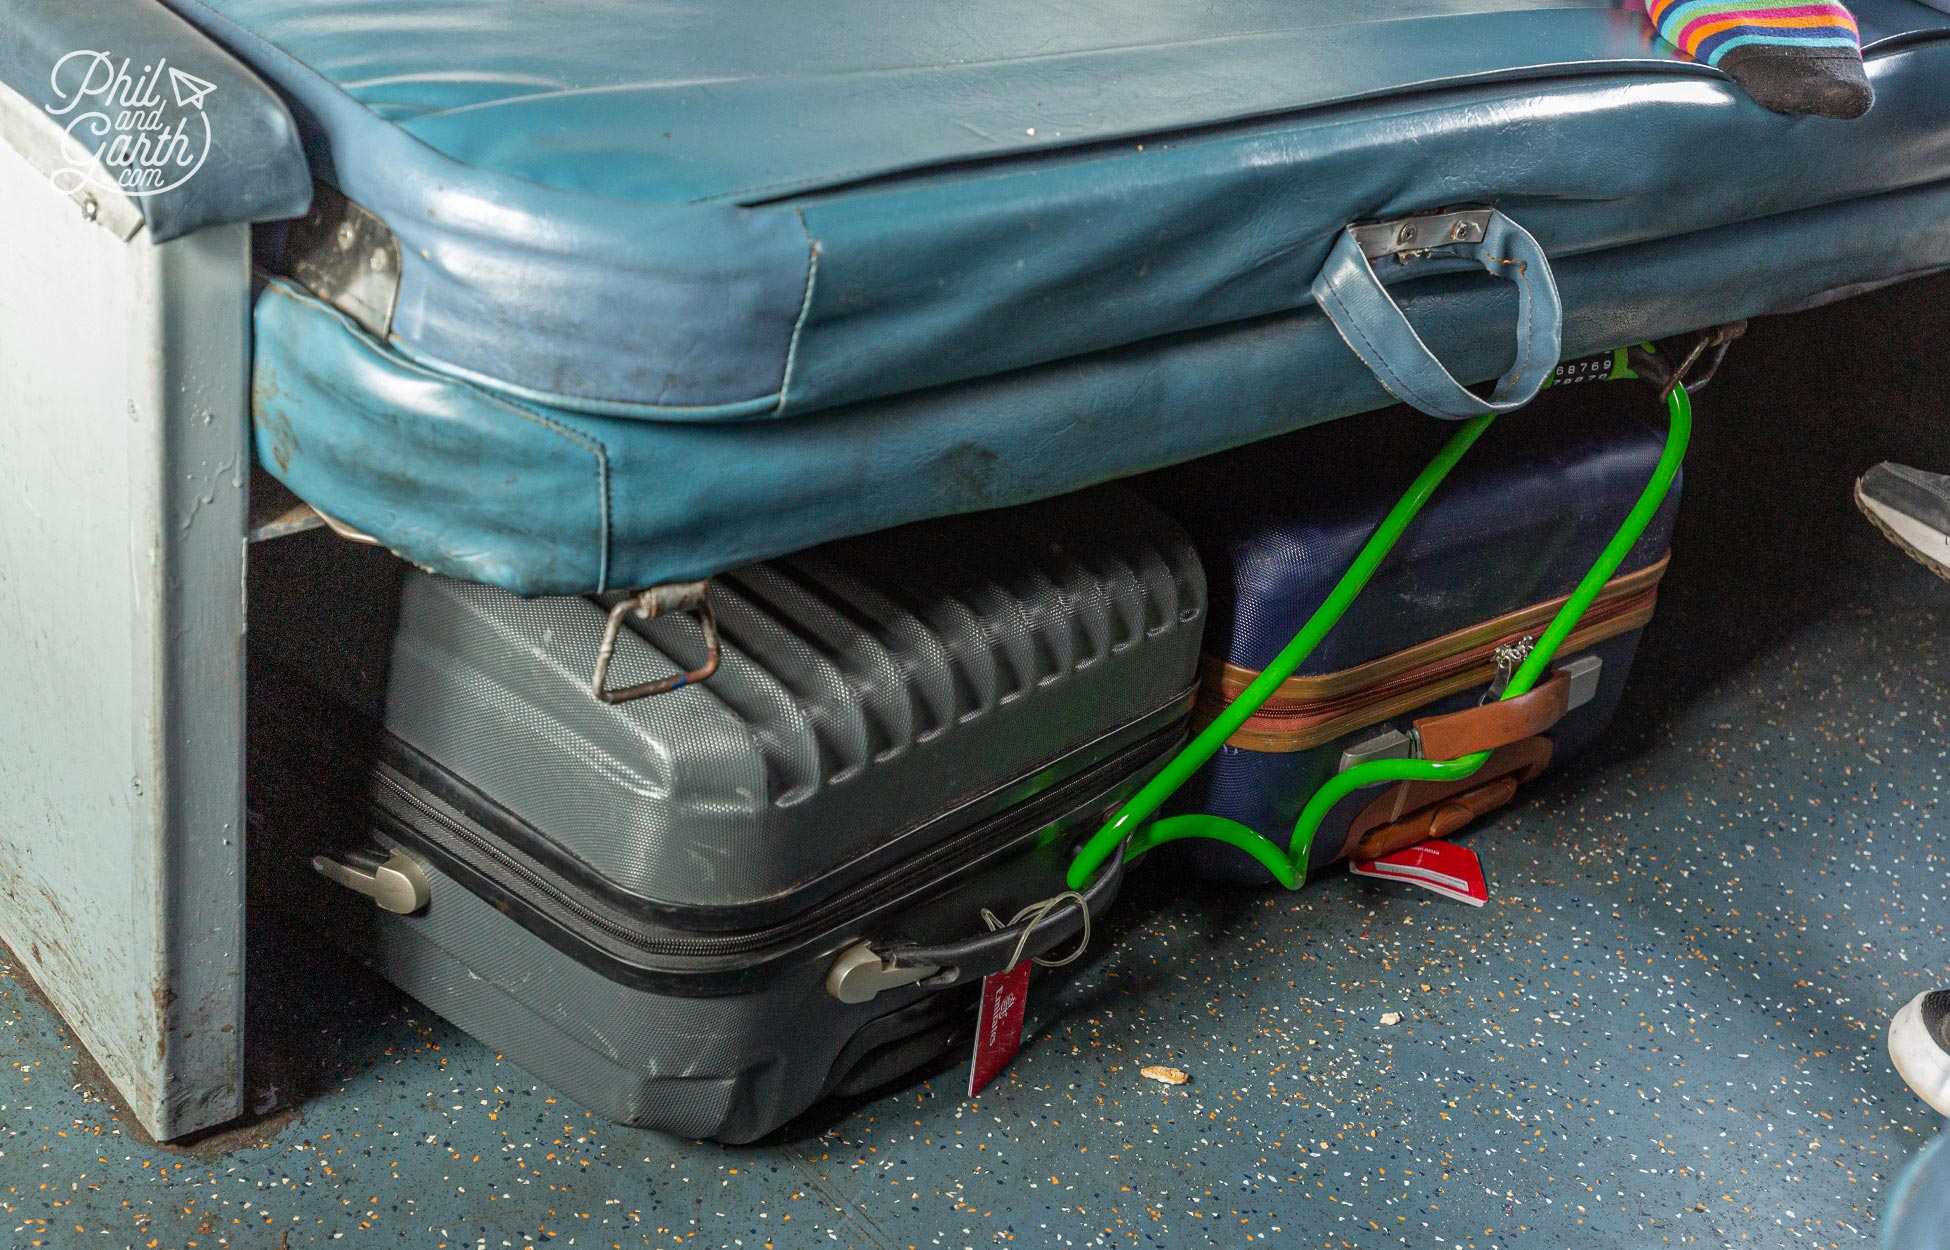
(1380, 365)
(1383, 372)
(805, 311)
(1529, 323)
(594, 446)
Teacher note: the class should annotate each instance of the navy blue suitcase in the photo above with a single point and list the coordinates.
(1477, 575)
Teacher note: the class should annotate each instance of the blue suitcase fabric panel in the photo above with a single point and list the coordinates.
(1515, 526)
(1517, 523)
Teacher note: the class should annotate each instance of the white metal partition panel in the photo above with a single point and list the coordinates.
(123, 470)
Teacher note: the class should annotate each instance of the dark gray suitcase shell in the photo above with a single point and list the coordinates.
(642, 903)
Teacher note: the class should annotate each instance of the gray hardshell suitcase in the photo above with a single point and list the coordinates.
(704, 910)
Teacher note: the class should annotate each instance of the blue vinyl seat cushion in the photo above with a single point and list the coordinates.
(469, 481)
(703, 211)
(689, 284)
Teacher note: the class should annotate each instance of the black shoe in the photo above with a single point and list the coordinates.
(1912, 509)
(1919, 1043)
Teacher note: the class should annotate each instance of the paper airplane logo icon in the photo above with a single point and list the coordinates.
(189, 89)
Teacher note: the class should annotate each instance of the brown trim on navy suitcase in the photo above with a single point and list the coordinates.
(1497, 723)
(1415, 811)
(1308, 712)
(1233, 678)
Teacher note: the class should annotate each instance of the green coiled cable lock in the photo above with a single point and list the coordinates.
(1129, 828)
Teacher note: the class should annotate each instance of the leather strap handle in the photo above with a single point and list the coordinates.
(1416, 811)
(1373, 325)
(1438, 820)
(1497, 723)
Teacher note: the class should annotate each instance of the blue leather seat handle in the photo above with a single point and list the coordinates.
(1372, 324)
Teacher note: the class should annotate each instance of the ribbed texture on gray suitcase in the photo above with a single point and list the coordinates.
(875, 695)
(906, 728)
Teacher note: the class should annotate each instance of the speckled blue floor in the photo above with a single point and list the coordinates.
(1665, 1028)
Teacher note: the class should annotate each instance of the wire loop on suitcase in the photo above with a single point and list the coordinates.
(650, 604)
(1035, 914)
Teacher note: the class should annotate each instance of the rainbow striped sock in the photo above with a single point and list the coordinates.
(1792, 58)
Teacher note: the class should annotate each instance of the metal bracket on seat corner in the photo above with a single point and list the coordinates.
(1712, 345)
(347, 257)
(1418, 237)
(649, 604)
(1693, 370)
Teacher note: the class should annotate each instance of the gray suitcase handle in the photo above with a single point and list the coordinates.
(860, 972)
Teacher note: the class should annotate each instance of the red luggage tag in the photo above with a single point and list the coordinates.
(1443, 867)
(1005, 995)
(998, 1029)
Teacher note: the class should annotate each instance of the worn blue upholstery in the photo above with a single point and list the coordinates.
(756, 275)
(470, 482)
(1355, 300)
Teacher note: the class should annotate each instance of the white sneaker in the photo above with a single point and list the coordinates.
(1911, 508)
(1919, 1043)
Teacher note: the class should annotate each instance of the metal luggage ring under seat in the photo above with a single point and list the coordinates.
(650, 604)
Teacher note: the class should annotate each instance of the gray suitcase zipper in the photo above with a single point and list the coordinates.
(650, 956)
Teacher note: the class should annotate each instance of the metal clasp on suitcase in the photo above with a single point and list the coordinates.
(1584, 673)
(389, 878)
(649, 604)
(1508, 659)
(859, 974)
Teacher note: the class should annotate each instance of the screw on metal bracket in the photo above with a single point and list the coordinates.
(347, 257)
(1422, 235)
